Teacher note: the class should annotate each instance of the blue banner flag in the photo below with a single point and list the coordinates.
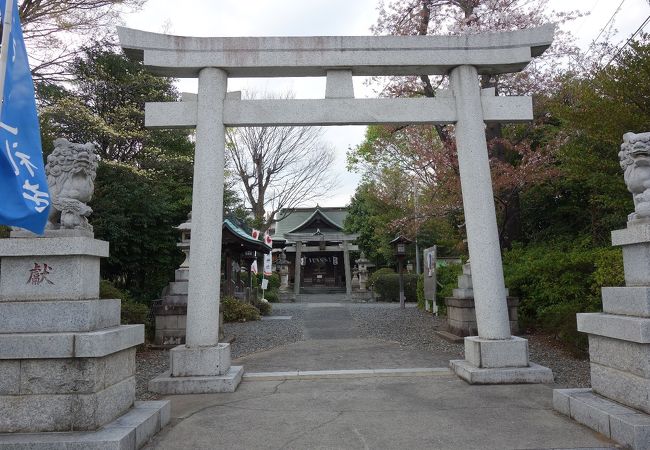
(24, 196)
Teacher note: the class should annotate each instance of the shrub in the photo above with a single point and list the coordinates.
(244, 279)
(135, 313)
(387, 287)
(609, 268)
(271, 296)
(556, 280)
(420, 291)
(264, 307)
(561, 321)
(236, 311)
(132, 312)
(377, 273)
(274, 282)
(109, 290)
(447, 280)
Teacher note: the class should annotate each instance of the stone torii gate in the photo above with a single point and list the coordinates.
(203, 365)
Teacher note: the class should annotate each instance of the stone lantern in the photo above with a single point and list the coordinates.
(184, 245)
(399, 244)
(283, 269)
(355, 278)
(170, 310)
(362, 263)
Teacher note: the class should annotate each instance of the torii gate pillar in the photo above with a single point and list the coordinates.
(203, 364)
(494, 349)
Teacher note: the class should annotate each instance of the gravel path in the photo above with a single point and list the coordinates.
(570, 371)
(415, 328)
(253, 337)
(149, 364)
(411, 328)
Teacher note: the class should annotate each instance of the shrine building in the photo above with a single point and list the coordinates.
(315, 238)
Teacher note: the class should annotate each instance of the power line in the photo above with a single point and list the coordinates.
(593, 43)
(638, 30)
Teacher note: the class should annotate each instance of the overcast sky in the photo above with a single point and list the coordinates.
(332, 18)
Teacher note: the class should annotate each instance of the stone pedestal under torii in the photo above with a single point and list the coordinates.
(494, 356)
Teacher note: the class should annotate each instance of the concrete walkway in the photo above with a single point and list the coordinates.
(332, 341)
(434, 411)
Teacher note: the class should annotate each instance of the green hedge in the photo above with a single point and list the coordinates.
(274, 282)
(377, 273)
(387, 287)
(554, 281)
(447, 279)
(236, 311)
(271, 296)
(131, 312)
(420, 291)
(264, 307)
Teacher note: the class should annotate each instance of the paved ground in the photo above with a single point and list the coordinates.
(438, 411)
(332, 340)
(373, 413)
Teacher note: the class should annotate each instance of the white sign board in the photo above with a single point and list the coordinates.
(430, 255)
(268, 265)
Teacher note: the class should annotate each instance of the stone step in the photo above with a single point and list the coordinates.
(55, 316)
(322, 290)
(619, 354)
(93, 344)
(627, 300)
(166, 384)
(464, 281)
(50, 412)
(52, 268)
(627, 328)
(626, 426)
(534, 373)
(130, 431)
(178, 288)
(361, 373)
(623, 387)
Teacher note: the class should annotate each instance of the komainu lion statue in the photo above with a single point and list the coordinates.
(71, 170)
(635, 161)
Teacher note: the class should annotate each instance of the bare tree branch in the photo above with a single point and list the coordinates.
(54, 29)
(280, 167)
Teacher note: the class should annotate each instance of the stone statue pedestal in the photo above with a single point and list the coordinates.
(66, 363)
(461, 311)
(618, 404)
(488, 361)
